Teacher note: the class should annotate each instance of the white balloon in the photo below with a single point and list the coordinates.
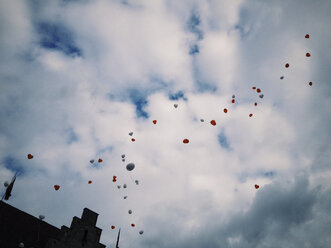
(124, 186)
(92, 161)
(175, 105)
(123, 156)
(233, 96)
(119, 186)
(21, 245)
(202, 120)
(130, 166)
(137, 182)
(141, 232)
(123, 160)
(125, 197)
(131, 133)
(282, 77)
(261, 96)
(6, 184)
(130, 211)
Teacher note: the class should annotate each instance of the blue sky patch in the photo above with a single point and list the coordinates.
(193, 25)
(140, 101)
(223, 141)
(14, 165)
(71, 136)
(57, 37)
(177, 96)
(194, 49)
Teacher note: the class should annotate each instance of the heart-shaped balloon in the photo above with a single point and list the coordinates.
(213, 122)
(186, 141)
(30, 156)
(154, 121)
(100, 160)
(56, 187)
(175, 105)
(257, 186)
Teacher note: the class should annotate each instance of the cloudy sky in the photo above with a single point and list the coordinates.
(77, 76)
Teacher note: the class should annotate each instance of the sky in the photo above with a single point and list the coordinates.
(77, 76)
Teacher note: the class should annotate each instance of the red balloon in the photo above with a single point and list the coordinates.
(30, 156)
(257, 186)
(287, 65)
(133, 140)
(233, 101)
(99, 160)
(133, 225)
(112, 227)
(225, 110)
(307, 54)
(250, 115)
(114, 180)
(310, 83)
(253, 87)
(258, 90)
(89, 182)
(307, 36)
(56, 187)
(213, 122)
(185, 141)
(154, 121)
(255, 104)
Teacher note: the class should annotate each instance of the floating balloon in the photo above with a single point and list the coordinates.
(307, 54)
(287, 65)
(6, 184)
(41, 217)
(282, 77)
(253, 88)
(130, 211)
(154, 121)
(133, 225)
(258, 90)
(131, 133)
(255, 104)
(56, 187)
(123, 155)
(250, 115)
(233, 96)
(175, 105)
(202, 120)
(114, 180)
(257, 186)
(112, 227)
(133, 140)
(141, 232)
(30, 156)
(225, 110)
(261, 96)
(89, 182)
(92, 161)
(125, 197)
(130, 166)
(233, 101)
(213, 122)
(307, 36)
(118, 186)
(100, 160)
(186, 141)
(123, 160)
(310, 83)
(137, 182)
(124, 186)
(21, 245)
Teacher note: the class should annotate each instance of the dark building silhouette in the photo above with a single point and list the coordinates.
(18, 227)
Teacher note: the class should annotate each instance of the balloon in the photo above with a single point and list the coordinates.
(21, 245)
(257, 186)
(131, 133)
(56, 187)
(225, 110)
(92, 161)
(282, 77)
(310, 83)
(118, 186)
(233, 96)
(30, 156)
(123, 160)
(112, 227)
(130, 166)
(133, 225)
(261, 96)
(141, 232)
(287, 65)
(258, 90)
(124, 186)
(125, 197)
(6, 184)
(202, 120)
(89, 182)
(253, 87)
(185, 141)
(175, 105)
(137, 182)
(233, 101)
(307, 54)
(307, 36)
(255, 104)
(123, 155)
(213, 122)
(130, 211)
(154, 121)
(41, 217)
(100, 160)
(114, 180)
(133, 140)
(250, 115)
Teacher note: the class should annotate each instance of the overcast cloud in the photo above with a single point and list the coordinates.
(77, 76)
